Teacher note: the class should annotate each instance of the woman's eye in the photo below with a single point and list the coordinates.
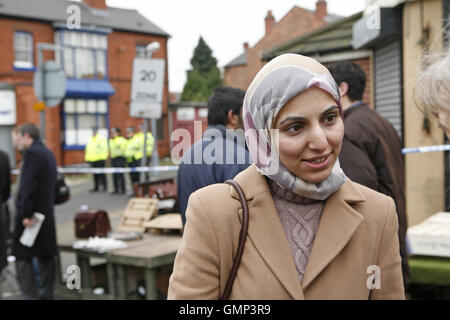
(294, 128)
(330, 118)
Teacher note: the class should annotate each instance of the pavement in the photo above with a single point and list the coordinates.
(65, 213)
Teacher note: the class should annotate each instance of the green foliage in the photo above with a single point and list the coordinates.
(204, 76)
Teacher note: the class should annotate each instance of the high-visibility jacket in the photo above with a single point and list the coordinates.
(135, 146)
(96, 149)
(129, 150)
(117, 147)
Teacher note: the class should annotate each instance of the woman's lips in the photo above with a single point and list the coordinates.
(318, 162)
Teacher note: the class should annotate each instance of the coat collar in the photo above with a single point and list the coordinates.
(338, 223)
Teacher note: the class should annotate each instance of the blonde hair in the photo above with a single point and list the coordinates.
(432, 89)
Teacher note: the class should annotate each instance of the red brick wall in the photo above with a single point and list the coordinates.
(365, 65)
(296, 22)
(121, 52)
(237, 77)
(99, 4)
(189, 126)
(23, 80)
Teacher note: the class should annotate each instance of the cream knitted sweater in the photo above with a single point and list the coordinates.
(300, 218)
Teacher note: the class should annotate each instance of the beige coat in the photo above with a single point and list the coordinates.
(358, 229)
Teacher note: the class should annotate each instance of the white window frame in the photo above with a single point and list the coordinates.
(28, 49)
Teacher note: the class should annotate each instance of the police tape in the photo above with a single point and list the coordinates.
(113, 170)
(445, 147)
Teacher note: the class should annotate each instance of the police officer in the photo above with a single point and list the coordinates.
(117, 147)
(134, 152)
(129, 155)
(96, 153)
(140, 140)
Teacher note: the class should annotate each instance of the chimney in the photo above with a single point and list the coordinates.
(96, 4)
(246, 46)
(270, 21)
(321, 9)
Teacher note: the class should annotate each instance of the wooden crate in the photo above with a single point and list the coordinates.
(161, 189)
(165, 223)
(137, 212)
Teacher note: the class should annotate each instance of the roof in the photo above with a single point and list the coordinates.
(240, 60)
(55, 11)
(332, 37)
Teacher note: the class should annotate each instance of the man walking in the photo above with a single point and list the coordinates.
(231, 155)
(36, 194)
(117, 147)
(371, 151)
(96, 153)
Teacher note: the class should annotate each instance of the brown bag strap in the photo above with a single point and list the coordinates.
(242, 238)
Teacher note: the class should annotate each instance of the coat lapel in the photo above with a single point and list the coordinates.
(338, 223)
(266, 231)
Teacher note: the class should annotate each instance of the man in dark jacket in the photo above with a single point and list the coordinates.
(221, 153)
(5, 192)
(36, 194)
(371, 151)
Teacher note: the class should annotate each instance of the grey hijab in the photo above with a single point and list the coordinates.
(276, 83)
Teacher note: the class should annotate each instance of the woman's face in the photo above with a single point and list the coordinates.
(310, 135)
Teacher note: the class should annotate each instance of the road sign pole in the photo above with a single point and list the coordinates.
(144, 158)
(42, 112)
(146, 99)
(155, 155)
(41, 77)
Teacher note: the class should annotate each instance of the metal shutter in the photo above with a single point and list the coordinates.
(388, 93)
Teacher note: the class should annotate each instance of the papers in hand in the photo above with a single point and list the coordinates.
(29, 234)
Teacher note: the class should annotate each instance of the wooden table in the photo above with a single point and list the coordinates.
(159, 251)
(149, 253)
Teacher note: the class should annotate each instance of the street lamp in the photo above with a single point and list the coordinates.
(152, 47)
(149, 50)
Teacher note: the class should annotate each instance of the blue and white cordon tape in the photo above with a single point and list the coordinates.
(112, 170)
(445, 147)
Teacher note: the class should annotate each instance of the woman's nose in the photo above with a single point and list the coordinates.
(317, 139)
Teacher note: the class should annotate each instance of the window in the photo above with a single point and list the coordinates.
(23, 50)
(80, 115)
(84, 54)
(141, 52)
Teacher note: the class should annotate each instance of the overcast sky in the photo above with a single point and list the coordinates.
(224, 25)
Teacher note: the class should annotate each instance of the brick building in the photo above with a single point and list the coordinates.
(329, 44)
(298, 21)
(97, 60)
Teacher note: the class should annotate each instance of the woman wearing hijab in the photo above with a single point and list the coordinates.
(313, 233)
